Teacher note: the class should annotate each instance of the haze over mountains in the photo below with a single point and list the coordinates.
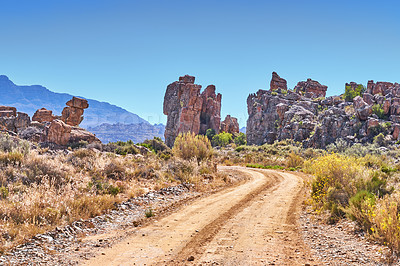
(109, 122)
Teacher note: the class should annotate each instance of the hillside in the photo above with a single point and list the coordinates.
(28, 99)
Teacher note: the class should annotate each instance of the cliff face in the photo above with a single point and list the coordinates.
(188, 110)
(304, 114)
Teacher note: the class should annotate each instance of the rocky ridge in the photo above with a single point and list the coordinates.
(188, 110)
(305, 115)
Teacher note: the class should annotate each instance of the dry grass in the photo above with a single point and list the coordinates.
(41, 189)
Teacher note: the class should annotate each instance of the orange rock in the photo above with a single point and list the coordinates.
(230, 125)
(43, 115)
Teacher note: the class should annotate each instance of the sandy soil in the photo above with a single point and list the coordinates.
(254, 223)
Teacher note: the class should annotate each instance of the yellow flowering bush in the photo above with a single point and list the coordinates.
(334, 171)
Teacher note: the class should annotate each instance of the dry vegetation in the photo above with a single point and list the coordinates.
(359, 182)
(41, 188)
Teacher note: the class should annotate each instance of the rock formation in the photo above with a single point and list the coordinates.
(311, 89)
(72, 114)
(43, 115)
(277, 82)
(13, 121)
(46, 127)
(304, 116)
(182, 105)
(230, 125)
(190, 111)
(210, 116)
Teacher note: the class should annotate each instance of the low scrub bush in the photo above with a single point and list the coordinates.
(294, 161)
(189, 146)
(276, 167)
(240, 139)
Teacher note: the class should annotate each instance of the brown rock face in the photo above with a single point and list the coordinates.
(383, 88)
(63, 134)
(210, 116)
(190, 111)
(363, 110)
(277, 82)
(311, 88)
(80, 134)
(58, 132)
(182, 105)
(230, 125)
(72, 115)
(43, 115)
(11, 120)
(7, 111)
(78, 103)
(396, 131)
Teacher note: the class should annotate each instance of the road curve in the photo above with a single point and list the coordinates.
(250, 224)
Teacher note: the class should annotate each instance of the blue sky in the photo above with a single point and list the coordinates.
(127, 52)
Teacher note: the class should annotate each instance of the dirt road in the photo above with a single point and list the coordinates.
(250, 224)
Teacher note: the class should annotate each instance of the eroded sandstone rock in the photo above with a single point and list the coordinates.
(363, 110)
(43, 115)
(277, 82)
(58, 132)
(13, 121)
(72, 114)
(230, 125)
(47, 127)
(8, 111)
(210, 116)
(190, 111)
(311, 88)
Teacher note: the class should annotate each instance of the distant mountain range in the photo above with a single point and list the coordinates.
(111, 122)
(123, 132)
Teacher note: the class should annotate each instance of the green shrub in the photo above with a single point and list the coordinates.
(378, 110)
(359, 207)
(240, 139)
(275, 167)
(3, 192)
(156, 145)
(149, 213)
(210, 133)
(222, 139)
(350, 93)
(124, 150)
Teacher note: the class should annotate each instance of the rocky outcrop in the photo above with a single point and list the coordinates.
(43, 115)
(182, 105)
(46, 127)
(311, 89)
(302, 115)
(13, 121)
(363, 110)
(277, 83)
(57, 132)
(63, 134)
(210, 116)
(8, 111)
(190, 111)
(383, 88)
(72, 114)
(230, 125)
